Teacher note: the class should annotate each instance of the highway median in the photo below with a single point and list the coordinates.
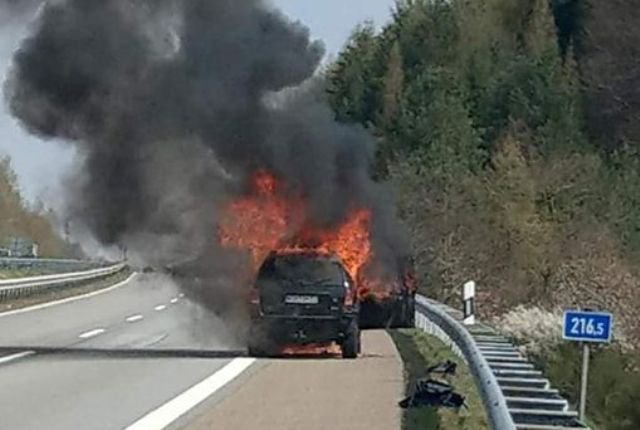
(77, 288)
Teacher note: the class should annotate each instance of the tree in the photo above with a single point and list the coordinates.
(10, 200)
(393, 86)
(541, 35)
(351, 85)
(567, 15)
(18, 220)
(608, 59)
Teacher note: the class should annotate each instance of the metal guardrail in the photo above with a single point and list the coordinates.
(54, 265)
(23, 287)
(432, 318)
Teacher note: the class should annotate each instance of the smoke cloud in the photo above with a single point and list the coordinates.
(174, 104)
(14, 11)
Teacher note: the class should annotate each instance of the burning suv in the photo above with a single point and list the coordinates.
(303, 298)
(395, 308)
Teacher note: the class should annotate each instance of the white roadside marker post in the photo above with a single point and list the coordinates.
(468, 301)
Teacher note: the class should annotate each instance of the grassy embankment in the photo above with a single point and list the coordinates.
(419, 351)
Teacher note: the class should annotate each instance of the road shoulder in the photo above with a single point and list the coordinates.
(313, 394)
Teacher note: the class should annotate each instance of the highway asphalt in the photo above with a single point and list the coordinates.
(316, 394)
(140, 356)
(103, 365)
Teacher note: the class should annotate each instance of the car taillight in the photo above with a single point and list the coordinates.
(254, 297)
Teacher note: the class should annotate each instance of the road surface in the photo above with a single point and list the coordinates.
(317, 394)
(140, 356)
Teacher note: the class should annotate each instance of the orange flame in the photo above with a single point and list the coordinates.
(331, 349)
(266, 221)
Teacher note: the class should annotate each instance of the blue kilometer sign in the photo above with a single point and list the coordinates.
(584, 326)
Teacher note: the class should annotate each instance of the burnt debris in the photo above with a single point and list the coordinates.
(434, 392)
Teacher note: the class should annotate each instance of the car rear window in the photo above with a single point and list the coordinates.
(301, 268)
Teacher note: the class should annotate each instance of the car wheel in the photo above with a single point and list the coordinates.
(351, 343)
(259, 345)
(407, 319)
(411, 313)
(399, 314)
(261, 349)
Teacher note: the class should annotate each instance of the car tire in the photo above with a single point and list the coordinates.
(262, 349)
(408, 313)
(259, 345)
(254, 351)
(351, 343)
(411, 313)
(398, 316)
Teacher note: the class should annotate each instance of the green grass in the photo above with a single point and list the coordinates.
(419, 351)
(614, 383)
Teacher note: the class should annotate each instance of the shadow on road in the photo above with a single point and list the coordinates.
(124, 353)
(75, 352)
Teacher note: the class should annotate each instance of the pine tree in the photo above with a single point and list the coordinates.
(393, 86)
(350, 86)
(608, 61)
(541, 33)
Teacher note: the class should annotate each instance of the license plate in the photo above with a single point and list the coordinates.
(301, 300)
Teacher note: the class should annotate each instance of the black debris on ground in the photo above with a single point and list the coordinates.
(431, 392)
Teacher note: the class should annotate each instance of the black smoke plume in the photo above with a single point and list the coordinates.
(173, 103)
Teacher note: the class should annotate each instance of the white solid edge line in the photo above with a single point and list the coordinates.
(160, 418)
(69, 299)
(91, 333)
(134, 318)
(12, 357)
(160, 307)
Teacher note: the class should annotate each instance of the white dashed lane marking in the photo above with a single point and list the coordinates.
(134, 318)
(9, 358)
(174, 300)
(91, 333)
(160, 307)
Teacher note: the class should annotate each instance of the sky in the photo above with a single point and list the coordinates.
(41, 165)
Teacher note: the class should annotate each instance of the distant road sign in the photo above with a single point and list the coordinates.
(585, 326)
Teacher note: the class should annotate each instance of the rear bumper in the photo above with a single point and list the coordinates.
(301, 330)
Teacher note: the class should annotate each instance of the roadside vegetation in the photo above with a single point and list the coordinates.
(508, 130)
(21, 273)
(419, 351)
(18, 219)
(62, 293)
(614, 382)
